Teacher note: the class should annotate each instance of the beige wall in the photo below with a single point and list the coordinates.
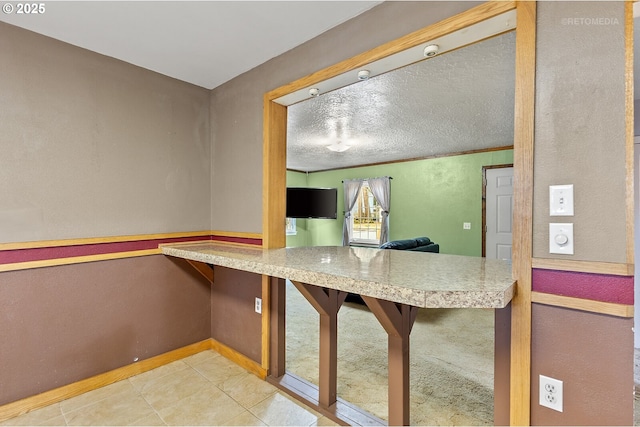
(236, 107)
(92, 146)
(580, 127)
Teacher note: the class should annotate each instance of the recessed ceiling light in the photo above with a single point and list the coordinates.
(431, 50)
(363, 74)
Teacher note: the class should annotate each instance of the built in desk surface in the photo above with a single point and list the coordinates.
(394, 285)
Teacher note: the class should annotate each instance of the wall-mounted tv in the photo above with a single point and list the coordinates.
(303, 202)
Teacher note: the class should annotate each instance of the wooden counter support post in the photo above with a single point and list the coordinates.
(502, 366)
(397, 320)
(277, 339)
(327, 303)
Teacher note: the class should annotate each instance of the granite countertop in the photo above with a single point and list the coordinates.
(420, 279)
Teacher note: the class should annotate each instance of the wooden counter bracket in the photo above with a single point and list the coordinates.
(203, 268)
(397, 320)
(327, 303)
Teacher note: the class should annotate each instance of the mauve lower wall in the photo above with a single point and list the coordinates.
(591, 354)
(62, 324)
(234, 322)
(92, 146)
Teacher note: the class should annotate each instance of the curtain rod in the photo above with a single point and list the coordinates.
(364, 179)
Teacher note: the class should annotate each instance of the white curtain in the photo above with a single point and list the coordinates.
(381, 189)
(351, 190)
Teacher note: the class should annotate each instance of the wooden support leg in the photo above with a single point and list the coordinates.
(502, 367)
(327, 302)
(277, 340)
(397, 320)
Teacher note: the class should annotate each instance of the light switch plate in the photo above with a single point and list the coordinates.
(561, 238)
(561, 200)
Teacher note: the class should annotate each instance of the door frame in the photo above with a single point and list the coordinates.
(484, 203)
(274, 171)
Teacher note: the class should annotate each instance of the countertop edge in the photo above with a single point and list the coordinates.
(417, 298)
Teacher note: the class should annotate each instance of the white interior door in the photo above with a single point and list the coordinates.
(499, 205)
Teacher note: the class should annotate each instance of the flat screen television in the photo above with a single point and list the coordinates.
(303, 202)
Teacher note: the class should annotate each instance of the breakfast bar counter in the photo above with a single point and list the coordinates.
(393, 284)
(422, 280)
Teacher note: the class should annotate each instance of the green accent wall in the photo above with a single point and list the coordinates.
(431, 197)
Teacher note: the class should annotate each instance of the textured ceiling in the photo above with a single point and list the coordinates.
(458, 101)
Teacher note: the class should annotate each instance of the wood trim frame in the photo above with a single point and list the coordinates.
(596, 267)
(98, 240)
(76, 260)
(239, 359)
(59, 394)
(484, 202)
(127, 238)
(600, 307)
(629, 129)
(275, 115)
(274, 167)
(415, 159)
(144, 249)
(524, 125)
(240, 234)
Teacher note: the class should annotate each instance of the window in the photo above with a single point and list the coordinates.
(365, 218)
(291, 227)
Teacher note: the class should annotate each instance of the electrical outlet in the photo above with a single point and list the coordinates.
(551, 393)
(259, 305)
(466, 226)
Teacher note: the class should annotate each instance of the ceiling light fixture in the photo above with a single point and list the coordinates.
(431, 50)
(338, 147)
(364, 74)
(314, 91)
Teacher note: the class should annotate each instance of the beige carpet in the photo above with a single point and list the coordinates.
(451, 360)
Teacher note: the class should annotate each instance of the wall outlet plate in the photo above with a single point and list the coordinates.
(466, 226)
(551, 393)
(258, 307)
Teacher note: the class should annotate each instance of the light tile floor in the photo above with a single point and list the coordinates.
(204, 389)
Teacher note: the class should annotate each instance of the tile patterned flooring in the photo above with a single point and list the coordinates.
(204, 389)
